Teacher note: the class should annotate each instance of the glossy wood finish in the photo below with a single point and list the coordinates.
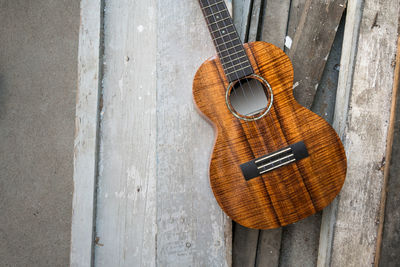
(289, 193)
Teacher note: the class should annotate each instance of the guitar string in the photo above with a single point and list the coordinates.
(225, 43)
(236, 72)
(274, 130)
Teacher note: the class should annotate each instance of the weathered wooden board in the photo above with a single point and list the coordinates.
(85, 152)
(275, 22)
(300, 242)
(325, 97)
(389, 255)
(350, 39)
(355, 233)
(126, 195)
(394, 110)
(192, 229)
(269, 246)
(256, 16)
(244, 249)
(311, 31)
(241, 17)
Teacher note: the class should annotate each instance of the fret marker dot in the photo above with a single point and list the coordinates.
(217, 17)
(223, 31)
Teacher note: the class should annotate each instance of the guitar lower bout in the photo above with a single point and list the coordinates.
(271, 170)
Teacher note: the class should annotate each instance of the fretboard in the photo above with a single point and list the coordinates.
(229, 47)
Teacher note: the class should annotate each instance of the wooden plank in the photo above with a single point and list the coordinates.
(389, 255)
(126, 196)
(357, 220)
(192, 229)
(256, 16)
(325, 97)
(347, 61)
(275, 22)
(241, 17)
(311, 33)
(268, 249)
(86, 120)
(300, 242)
(244, 246)
(389, 149)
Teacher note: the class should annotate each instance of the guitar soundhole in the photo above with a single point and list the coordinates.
(249, 98)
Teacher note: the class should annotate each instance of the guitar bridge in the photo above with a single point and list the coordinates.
(274, 160)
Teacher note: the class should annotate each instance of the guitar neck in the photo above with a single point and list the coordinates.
(229, 47)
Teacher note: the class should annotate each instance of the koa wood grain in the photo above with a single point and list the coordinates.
(286, 194)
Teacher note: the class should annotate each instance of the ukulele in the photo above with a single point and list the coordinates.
(274, 162)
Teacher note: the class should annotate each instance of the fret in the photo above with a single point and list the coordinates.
(212, 5)
(222, 36)
(240, 73)
(238, 64)
(223, 28)
(241, 69)
(230, 48)
(226, 50)
(218, 21)
(214, 14)
(230, 55)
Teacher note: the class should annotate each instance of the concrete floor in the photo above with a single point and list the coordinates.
(38, 77)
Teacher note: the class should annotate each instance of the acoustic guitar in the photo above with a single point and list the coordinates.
(274, 162)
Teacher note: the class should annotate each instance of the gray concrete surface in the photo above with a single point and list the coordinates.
(38, 76)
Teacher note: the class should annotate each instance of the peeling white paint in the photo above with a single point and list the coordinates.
(295, 84)
(288, 42)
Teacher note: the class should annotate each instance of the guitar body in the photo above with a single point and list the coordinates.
(282, 195)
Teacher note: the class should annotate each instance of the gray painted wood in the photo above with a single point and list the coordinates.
(268, 249)
(126, 194)
(295, 11)
(311, 32)
(192, 229)
(300, 242)
(345, 81)
(255, 18)
(325, 97)
(244, 246)
(275, 21)
(85, 152)
(357, 220)
(241, 17)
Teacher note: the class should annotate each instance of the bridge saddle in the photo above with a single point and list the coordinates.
(274, 160)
